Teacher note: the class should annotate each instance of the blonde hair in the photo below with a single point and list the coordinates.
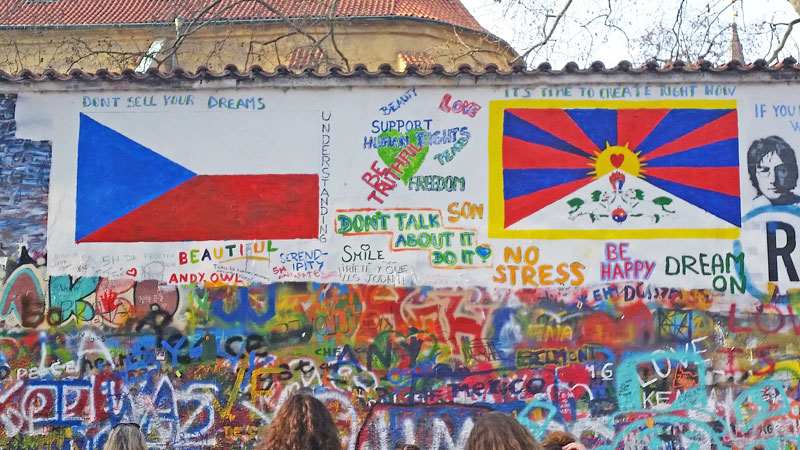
(498, 431)
(125, 436)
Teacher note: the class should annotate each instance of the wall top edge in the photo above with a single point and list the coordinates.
(231, 76)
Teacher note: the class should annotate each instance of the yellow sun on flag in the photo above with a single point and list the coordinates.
(616, 157)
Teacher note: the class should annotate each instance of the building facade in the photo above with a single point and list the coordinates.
(88, 35)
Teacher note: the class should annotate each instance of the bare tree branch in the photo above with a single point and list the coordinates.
(660, 30)
(471, 51)
(272, 42)
(331, 15)
(547, 35)
(676, 31)
(785, 38)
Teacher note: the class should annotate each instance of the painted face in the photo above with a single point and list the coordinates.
(771, 174)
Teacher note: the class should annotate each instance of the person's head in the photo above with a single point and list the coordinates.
(302, 423)
(772, 166)
(556, 440)
(125, 436)
(401, 446)
(498, 431)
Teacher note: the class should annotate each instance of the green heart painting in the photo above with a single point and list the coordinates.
(388, 154)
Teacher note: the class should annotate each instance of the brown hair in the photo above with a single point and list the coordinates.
(302, 423)
(125, 436)
(401, 446)
(555, 440)
(406, 447)
(498, 431)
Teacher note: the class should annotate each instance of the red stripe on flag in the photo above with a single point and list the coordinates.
(724, 180)
(519, 208)
(558, 123)
(223, 207)
(633, 125)
(726, 127)
(518, 154)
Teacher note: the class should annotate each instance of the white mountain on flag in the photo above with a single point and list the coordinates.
(620, 201)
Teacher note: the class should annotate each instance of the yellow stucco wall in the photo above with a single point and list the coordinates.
(367, 41)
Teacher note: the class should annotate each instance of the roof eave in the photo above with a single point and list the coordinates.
(229, 21)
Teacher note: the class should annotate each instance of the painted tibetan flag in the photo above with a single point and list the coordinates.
(127, 192)
(614, 169)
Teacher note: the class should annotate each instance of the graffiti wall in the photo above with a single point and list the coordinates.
(614, 260)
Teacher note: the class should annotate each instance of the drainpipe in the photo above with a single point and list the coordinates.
(178, 25)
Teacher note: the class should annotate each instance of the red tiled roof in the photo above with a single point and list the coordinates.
(22, 13)
(303, 57)
(419, 59)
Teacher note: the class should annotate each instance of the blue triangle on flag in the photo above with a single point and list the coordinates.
(117, 175)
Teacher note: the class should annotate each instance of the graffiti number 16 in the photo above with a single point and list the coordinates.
(606, 373)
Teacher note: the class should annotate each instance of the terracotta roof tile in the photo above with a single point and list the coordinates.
(788, 69)
(433, 9)
(302, 57)
(23, 13)
(420, 59)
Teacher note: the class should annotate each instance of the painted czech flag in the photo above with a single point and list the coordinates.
(127, 192)
(603, 169)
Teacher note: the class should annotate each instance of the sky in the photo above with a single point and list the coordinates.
(576, 41)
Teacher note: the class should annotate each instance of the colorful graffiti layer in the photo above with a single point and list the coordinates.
(206, 367)
(617, 261)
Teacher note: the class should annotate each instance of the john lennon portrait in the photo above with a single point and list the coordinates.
(772, 166)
